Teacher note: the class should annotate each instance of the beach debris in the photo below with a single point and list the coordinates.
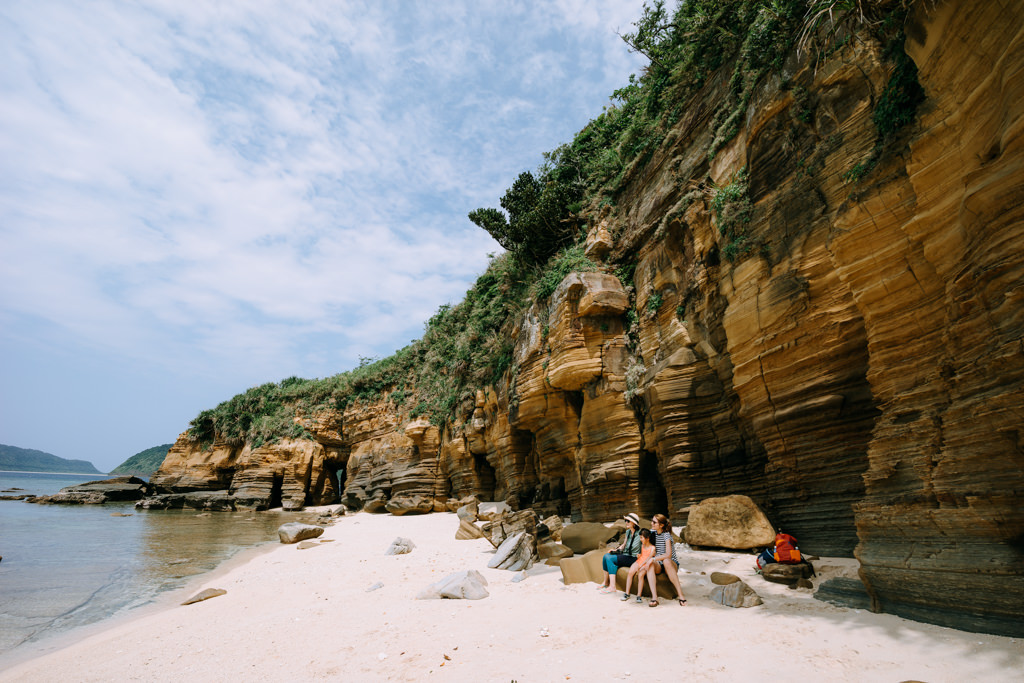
(737, 594)
(375, 587)
(723, 578)
(465, 585)
(734, 522)
(544, 632)
(303, 545)
(400, 546)
(205, 595)
(382, 656)
(583, 537)
(468, 531)
(515, 553)
(293, 532)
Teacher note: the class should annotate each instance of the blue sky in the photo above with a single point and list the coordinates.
(197, 198)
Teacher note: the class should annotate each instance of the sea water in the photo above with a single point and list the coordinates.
(66, 566)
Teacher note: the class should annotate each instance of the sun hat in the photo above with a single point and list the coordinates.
(631, 517)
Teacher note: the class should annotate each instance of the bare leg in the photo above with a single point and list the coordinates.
(652, 580)
(673, 575)
(629, 578)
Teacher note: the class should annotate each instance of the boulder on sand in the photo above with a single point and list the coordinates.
(464, 585)
(293, 532)
(515, 553)
(586, 568)
(735, 594)
(733, 522)
(400, 546)
(583, 537)
(468, 531)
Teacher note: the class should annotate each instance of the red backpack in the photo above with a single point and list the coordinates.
(786, 551)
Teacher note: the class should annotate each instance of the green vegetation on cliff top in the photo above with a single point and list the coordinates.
(143, 463)
(17, 459)
(469, 345)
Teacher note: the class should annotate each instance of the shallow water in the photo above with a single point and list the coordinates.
(66, 566)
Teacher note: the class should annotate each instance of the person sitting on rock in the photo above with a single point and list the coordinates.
(622, 556)
(647, 550)
(664, 560)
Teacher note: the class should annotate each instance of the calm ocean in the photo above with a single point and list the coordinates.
(66, 566)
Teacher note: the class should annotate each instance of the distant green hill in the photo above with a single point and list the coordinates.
(28, 460)
(144, 463)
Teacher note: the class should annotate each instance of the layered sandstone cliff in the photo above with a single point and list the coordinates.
(859, 371)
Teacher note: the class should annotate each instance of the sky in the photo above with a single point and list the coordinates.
(198, 198)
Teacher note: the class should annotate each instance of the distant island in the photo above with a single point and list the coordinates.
(143, 463)
(17, 459)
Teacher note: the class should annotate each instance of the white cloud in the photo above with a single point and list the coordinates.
(231, 187)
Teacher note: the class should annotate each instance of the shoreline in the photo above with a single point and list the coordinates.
(166, 599)
(308, 614)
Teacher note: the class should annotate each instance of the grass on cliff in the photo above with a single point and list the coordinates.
(468, 345)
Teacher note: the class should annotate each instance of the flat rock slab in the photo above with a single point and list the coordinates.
(788, 574)
(303, 545)
(844, 592)
(723, 578)
(293, 532)
(468, 531)
(205, 595)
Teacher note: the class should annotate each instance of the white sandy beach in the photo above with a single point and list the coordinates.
(302, 615)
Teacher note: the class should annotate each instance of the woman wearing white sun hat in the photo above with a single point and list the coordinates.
(622, 556)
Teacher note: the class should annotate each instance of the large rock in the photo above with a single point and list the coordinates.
(515, 553)
(585, 536)
(508, 524)
(197, 500)
(582, 569)
(465, 585)
(115, 489)
(410, 505)
(733, 522)
(293, 532)
(546, 551)
(550, 529)
(735, 594)
(468, 531)
(664, 585)
(789, 574)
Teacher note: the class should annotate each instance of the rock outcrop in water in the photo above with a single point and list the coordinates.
(860, 375)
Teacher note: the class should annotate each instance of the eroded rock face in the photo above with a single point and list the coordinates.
(858, 373)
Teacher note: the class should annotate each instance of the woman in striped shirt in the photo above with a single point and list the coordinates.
(664, 559)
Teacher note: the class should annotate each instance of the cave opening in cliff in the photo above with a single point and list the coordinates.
(275, 491)
(651, 495)
(485, 476)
